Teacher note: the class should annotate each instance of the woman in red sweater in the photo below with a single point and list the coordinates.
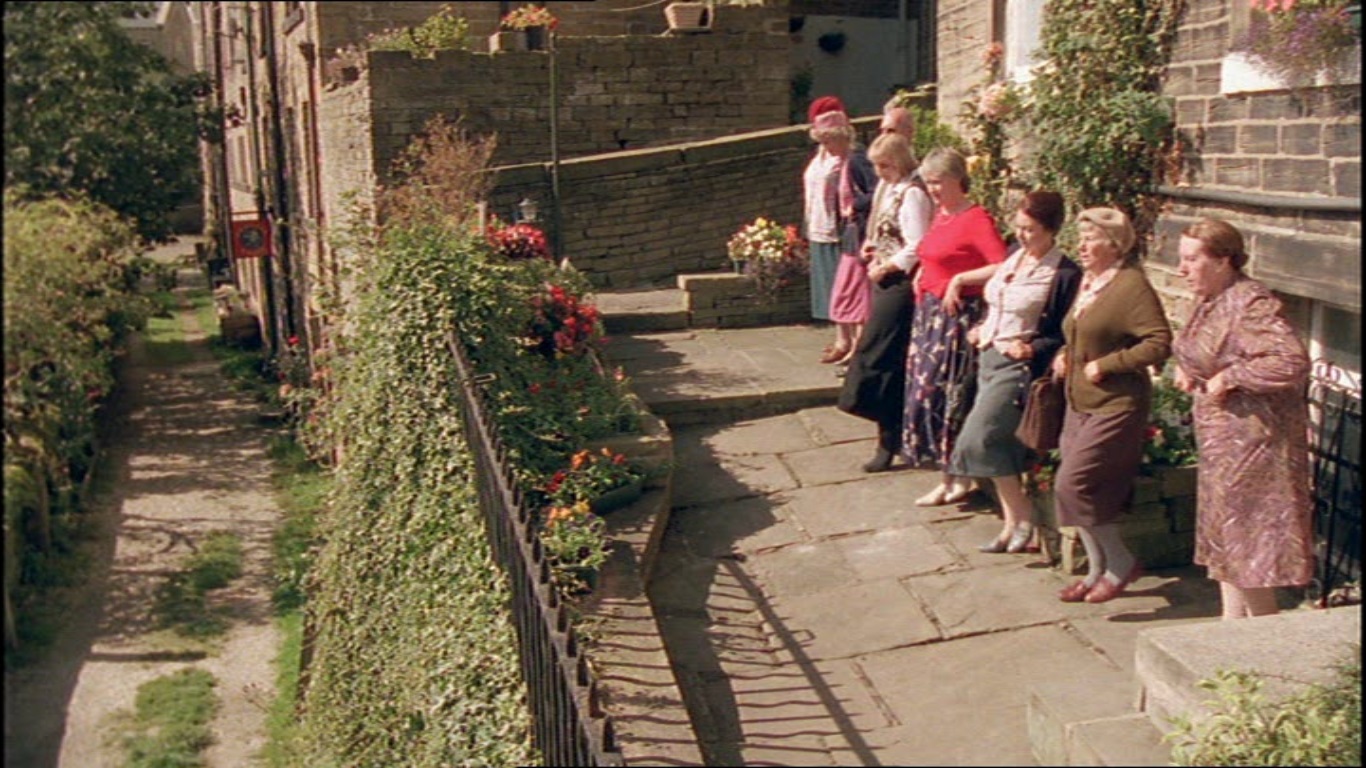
(959, 253)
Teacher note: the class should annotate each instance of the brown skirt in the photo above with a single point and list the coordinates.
(1101, 453)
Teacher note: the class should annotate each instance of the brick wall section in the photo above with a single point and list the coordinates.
(1274, 143)
(614, 93)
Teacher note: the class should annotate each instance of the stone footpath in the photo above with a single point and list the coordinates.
(814, 616)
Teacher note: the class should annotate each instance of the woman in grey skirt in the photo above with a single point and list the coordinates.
(1026, 299)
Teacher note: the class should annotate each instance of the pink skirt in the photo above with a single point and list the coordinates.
(852, 294)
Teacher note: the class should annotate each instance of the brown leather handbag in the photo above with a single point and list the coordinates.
(1041, 422)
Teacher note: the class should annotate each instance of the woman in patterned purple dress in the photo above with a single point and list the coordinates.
(1248, 373)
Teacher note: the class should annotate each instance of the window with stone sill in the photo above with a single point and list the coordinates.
(1240, 73)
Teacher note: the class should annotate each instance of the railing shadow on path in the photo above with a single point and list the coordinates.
(754, 694)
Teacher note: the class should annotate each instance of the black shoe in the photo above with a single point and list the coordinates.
(880, 463)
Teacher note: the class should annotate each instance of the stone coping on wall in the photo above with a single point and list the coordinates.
(631, 161)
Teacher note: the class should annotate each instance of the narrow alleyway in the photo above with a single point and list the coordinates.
(184, 457)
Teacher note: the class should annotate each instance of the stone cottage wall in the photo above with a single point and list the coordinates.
(964, 32)
(1284, 168)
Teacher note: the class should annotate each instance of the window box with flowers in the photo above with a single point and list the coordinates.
(770, 254)
(526, 28)
(1294, 44)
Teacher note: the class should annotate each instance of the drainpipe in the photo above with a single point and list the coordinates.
(555, 149)
(219, 152)
(281, 211)
(271, 336)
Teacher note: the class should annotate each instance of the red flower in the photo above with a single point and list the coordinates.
(292, 341)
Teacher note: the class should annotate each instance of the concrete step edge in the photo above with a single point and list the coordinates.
(1055, 706)
(1123, 740)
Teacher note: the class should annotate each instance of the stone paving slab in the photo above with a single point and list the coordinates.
(821, 626)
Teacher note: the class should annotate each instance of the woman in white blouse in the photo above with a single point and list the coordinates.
(1027, 298)
(874, 387)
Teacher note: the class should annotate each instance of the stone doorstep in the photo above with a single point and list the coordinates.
(1125, 740)
(1296, 644)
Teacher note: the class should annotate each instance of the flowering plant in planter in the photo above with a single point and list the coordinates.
(517, 242)
(1297, 40)
(562, 324)
(769, 253)
(1170, 439)
(588, 476)
(574, 540)
(529, 16)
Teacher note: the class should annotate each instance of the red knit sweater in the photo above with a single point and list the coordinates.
(956, 244)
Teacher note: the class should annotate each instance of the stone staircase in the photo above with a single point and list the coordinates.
(1121, 719)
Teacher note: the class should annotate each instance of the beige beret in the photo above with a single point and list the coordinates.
(1115, 225)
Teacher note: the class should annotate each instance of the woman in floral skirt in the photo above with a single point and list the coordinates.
(958, 254)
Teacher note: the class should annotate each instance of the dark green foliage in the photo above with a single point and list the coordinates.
(90, 112)
(1098, 117)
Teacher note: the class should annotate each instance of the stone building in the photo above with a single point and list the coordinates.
(1284, 167)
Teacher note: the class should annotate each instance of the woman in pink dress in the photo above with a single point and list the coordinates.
(1247, 372)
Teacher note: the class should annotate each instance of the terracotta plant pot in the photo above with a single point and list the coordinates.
(688, 17)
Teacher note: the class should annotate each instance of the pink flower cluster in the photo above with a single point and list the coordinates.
(1271, 6)
(995, 102)
(518, 242)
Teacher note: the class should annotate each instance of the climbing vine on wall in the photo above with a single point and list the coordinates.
(1100, 123)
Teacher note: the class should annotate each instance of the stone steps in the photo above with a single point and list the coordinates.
(646, 311)
(1121, 719)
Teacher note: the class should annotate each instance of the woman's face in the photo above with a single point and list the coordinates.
(1205, 274)
(946, 191)
(1033, 236)
(887, 170)
(836, 144)
(1096, 252)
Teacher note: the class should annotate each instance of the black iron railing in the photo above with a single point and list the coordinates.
(568, 724)
(1335, 416)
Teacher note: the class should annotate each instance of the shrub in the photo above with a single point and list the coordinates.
(1319, 726)
(442, 30)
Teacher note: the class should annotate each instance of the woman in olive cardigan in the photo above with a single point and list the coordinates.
(1114, 333)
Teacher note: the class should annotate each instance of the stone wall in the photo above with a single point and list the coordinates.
(637, 219)
(613, 93)
(1283, 167)
(963, 34)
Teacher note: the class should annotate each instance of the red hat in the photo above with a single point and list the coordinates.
(822, 105)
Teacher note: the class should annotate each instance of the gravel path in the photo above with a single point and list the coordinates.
(187, 458)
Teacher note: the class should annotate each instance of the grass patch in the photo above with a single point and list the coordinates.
(169, 727)
(182, 603)
(284, 748)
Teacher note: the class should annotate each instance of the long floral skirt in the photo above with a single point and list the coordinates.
(941, 376)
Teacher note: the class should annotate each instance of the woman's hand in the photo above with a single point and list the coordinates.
(1183, 381)
(867, 253)
(1060, 364)
(1217, 386)
(1019, 350)
(1092, 372)
(951, 299)
(974, 334)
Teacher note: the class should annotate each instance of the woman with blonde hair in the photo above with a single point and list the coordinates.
(1114, 334)
(874, 388)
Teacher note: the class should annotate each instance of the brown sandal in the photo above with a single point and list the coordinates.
(833, 354)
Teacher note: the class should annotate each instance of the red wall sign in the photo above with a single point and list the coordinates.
(250, 239)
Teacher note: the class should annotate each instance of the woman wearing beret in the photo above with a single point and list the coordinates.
(1247, 373)
(837, 183)
(1114, 333)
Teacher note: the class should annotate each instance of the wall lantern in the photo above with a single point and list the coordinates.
(527, 209)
